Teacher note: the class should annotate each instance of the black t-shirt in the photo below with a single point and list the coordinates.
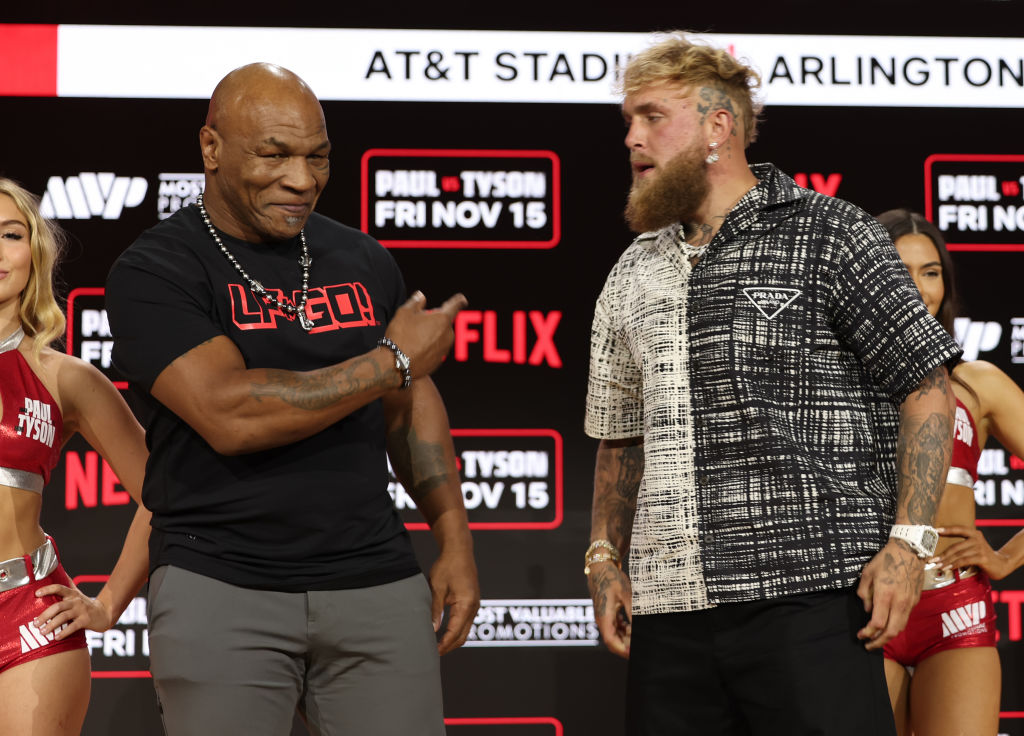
(310, 515)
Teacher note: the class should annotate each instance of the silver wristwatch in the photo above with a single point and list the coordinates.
(921, 538)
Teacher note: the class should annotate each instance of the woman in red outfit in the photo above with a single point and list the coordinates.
(45, 397)
(943, 670)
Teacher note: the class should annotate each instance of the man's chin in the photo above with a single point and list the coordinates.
(643, 218)
(283, 228)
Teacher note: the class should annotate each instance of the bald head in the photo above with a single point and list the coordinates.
(255, 85)
(265, 152)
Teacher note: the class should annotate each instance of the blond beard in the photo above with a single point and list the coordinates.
(675, 194)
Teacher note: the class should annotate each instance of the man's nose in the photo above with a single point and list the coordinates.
(299, 174)
(633, 137)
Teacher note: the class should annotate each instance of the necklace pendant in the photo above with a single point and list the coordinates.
(305, 261)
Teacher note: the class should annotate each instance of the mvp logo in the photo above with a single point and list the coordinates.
(32, 638)
(770, 300)
(976, 337)
(91, 195)
(962, 618)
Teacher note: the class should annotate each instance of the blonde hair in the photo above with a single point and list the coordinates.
(41, 316)
(677, 60)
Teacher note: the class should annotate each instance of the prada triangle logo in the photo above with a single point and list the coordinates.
(770, 300)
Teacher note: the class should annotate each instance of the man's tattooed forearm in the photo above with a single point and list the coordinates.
(319, 389)
(421, 463)
(922, 466)
(631, 471)
(617, 483)
(599, 580)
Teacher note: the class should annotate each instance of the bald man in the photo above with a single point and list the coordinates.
(278, 361)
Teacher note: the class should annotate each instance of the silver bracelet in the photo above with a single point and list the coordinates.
(401, 360)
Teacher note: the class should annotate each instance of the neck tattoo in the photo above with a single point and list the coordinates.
(291, 311)
(695, 251)
(706, 232)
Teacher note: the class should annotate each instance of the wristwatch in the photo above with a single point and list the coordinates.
(401, 360)
(921, 538)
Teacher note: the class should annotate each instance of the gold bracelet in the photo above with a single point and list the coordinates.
(598, 557)
(602, 544)
(593, 554)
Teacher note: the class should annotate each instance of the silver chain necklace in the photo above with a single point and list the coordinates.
(291, 310)
(12, 341)
(691, 251)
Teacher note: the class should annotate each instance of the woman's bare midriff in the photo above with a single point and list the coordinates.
(955, 509)
(20, 532)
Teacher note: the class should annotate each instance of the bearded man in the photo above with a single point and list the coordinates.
(277, 363)
(775, 420)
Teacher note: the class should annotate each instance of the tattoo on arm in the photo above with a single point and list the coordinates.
(421, 463)
(315, 390)
(922, 467)
(600, 579)
(937, 380)
(616, 485)
(923, 449)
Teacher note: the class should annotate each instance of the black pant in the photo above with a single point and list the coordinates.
(790, 666)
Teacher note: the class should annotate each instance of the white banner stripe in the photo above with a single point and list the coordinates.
(530, 66)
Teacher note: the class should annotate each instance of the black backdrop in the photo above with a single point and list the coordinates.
(547, 676)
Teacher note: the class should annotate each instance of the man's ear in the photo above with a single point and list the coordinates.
(209, 144)
(721, 126)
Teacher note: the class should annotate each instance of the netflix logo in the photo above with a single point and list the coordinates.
(522, 337)
(89, 481)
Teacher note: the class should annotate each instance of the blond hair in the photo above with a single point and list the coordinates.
(41, 316)
(679, 61)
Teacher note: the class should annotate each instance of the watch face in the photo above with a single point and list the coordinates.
(929, 539)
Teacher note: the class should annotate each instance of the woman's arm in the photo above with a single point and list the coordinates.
(95, 409)
(1001, 413)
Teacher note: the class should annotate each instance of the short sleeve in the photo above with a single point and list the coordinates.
(160, 307)
(878, 313)
(614, 389)
(392, 277)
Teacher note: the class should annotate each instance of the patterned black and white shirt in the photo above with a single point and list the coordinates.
(765, 382)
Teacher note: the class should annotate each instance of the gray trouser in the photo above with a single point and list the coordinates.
(229, 660)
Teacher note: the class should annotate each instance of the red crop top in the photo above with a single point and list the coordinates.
(963, 468)
(31, 426)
